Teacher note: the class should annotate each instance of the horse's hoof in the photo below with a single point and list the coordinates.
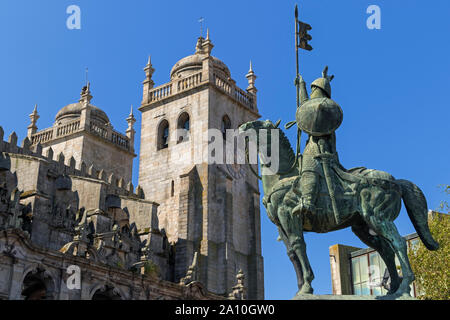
(306, 290)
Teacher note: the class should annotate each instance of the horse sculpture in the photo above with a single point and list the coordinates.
(368, 200)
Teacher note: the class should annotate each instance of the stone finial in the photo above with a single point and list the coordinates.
(130, 187)
(49, 153)
(72, 163)
(148, 82)
(199, 45)
(83, 168)
(192, 273)
(32, 128)
(38, 149)
(102, 175)
(239, 290)
(91, 171)
(12, 140)
(130, 132)
(251, 77)
(149, 70)
(204, 46)
(112, 179)
(85, 96)
(131, 119)
(140, 192)
(26, 145)
(60, 158)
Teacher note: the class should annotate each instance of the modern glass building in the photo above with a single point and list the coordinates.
(357, 271)
(368, 271)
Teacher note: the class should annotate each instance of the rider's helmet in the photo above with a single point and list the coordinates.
(320, 115)
(323, 84)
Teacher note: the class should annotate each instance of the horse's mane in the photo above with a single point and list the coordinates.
(286, 146)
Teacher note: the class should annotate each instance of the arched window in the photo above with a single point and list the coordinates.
(163, 135)
(106, 293)
(183, 127)
(226, 124)
(34, 288)
(37, 286)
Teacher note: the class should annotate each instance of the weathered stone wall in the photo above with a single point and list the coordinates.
(210, 211)
(107, 156)
(158, 168)
(92, 150)
(23, 259)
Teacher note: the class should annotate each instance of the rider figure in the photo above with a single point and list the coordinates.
(311, 169)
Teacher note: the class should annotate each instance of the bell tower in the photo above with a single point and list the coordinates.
(211, 209)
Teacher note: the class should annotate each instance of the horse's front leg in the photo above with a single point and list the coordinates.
(294, 230)
(293, 257)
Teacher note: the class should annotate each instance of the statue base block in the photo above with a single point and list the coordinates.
(349, 297)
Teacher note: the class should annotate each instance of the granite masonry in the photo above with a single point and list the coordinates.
(189, 230)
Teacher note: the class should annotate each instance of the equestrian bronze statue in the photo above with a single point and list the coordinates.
(313, 192)
(320, 195)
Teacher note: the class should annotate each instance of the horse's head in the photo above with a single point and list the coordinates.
(258, 125)
(273, 146)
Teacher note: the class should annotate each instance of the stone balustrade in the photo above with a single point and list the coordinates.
(67, 128)
(98, 129)
(120, 140)
(179, 85)
(42, 136)
(189, 82)
(160, 92)
(104, 132)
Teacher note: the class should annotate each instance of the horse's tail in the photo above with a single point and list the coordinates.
(416, 206)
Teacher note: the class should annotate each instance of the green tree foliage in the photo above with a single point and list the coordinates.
(150, 268)
(432, 268)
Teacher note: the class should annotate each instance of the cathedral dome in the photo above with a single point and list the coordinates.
(193, 63)
(73, 111)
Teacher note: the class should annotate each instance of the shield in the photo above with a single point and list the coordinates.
(319, 116)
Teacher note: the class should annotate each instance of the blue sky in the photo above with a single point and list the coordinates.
(392, 83)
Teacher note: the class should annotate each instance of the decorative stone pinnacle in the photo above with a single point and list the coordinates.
(240, 277)
(251, 77)
(131, 119)
(32, 128)
(86, 94)
(239, 291)
(149, 70)
(131, 111)
(206, 45)
(199, 45)
(34, 116)
(191, 274)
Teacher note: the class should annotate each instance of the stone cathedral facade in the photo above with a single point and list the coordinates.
(72, 225)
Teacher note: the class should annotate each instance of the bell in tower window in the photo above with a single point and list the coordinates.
(226, 124)
(183, 127)
(163, 135)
